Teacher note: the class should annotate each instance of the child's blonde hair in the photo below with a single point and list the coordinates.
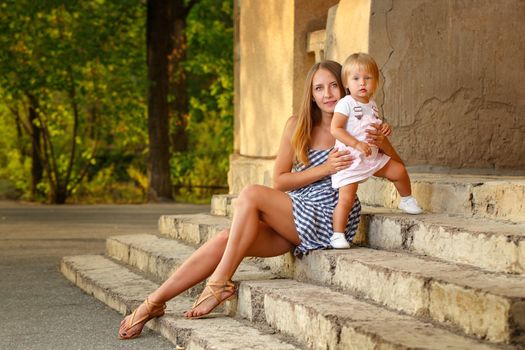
(361, 61)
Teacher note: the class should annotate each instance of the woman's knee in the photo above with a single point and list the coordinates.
(250, 195)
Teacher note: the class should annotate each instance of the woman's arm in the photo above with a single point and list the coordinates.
(285, 180)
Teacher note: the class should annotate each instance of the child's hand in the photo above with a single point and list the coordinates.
(386, 129)
(364, 148)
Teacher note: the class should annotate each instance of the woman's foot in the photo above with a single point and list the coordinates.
(132, 325)
(213, 295)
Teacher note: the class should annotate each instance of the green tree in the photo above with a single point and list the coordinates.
(74, 95)
(72, 74)
(209, 63)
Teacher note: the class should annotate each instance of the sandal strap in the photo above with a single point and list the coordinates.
(226, 286)
(152, 307)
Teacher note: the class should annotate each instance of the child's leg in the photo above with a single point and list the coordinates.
(342, 209)
(344, 206)
(397, 173)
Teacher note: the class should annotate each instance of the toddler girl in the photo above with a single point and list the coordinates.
(354, 114)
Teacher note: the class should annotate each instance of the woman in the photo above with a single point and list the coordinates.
(268, 221)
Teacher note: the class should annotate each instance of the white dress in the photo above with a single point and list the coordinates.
(360, 117)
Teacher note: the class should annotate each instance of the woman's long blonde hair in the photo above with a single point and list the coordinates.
(310, 114)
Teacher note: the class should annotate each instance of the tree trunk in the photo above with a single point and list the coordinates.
(158, 45)
(36, 162)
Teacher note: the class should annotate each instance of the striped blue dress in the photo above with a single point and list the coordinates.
(313, 207)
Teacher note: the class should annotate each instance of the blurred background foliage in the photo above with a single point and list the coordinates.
(73, 101)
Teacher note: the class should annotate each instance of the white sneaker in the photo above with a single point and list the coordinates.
(338, 241)
(410, 206)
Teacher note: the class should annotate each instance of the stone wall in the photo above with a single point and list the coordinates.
(454, 80)
(453, 76)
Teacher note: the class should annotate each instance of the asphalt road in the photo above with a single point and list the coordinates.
(40, 309)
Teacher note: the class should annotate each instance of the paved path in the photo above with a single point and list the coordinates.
(40, 309)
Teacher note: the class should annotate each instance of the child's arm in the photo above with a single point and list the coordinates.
(338, 130)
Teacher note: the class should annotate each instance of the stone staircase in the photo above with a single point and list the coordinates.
(449, 279)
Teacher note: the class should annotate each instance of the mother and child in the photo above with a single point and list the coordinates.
(314, 191)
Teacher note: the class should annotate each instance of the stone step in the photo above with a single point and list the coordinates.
(159, 257)
(488, 244)
(482, 304)
(325, 319)
(193, 228)
(491, 245)
(223, 204)
(492, 197)
(124, 290)
(485, 305)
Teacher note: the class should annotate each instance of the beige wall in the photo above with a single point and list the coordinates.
(272, 67)
(454, 80)
(348, 30)
(310, 16)
(271, 63)
(266, 73)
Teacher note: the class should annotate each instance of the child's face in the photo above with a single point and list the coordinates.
(362, 84)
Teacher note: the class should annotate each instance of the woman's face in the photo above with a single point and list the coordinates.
(325, 91)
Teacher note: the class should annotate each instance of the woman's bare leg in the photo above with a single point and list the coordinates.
(254, 204)
(195, 269)
(204, 260)
(202, 263)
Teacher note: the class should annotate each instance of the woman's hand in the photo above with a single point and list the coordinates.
(386, 129)
(338, 160)
(374, 136)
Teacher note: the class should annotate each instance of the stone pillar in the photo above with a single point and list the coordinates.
(271, 68)
(236, 76)
(347, 30)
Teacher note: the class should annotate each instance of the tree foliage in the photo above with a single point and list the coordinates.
(80, 67)
(210, 125)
